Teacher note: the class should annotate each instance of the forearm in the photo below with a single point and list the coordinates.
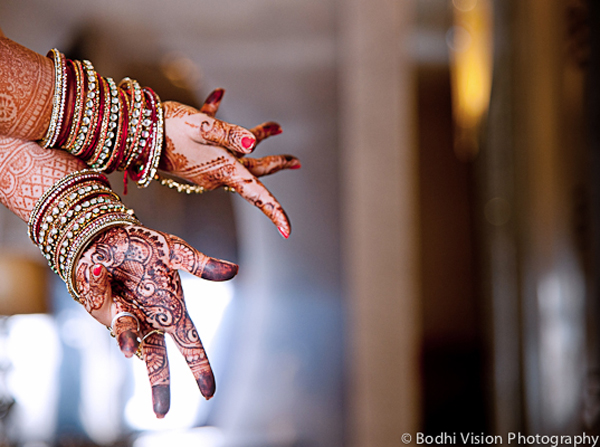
(27, 171)
(26, 91)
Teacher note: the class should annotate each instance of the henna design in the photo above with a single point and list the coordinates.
(172, 161)
(27, 170)
(207, 162)
(266, 130)
(26, 86)
(142, 265)
(157, 365)
(270, 164)
(177, 110)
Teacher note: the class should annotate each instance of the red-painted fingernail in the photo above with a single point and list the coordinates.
(215, 96)
(284, 233)
(247, 142)
(297, 165)
(96, 270)
(273, 129)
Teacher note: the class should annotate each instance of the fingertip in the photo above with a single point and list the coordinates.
(283, 224)
(272, 128)
(128, 343)
(292, 162)
(248, 143)
(217, 270)
(206, 383)
(284, 232)
(215, 96)
(161, 400)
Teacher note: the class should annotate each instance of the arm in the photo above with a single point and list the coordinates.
(140, 265)
(198, 148)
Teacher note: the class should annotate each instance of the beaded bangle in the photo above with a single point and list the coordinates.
(96, 228)
(135, 121)
(90, 112)
(155, 151)
(107, 126)
(51, 194)
(118, 147)
(97, 159)
(69, 215)
(58, 104)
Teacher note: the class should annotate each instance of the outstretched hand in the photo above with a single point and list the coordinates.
(209, 153)
(128, 280)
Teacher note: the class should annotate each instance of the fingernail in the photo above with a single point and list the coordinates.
(247, 142)
(215, 96)
(283, 232)
(96, 270)
(296, 165)
(274, 129)
(161, 400)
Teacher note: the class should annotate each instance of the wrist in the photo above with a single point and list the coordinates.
(70, 215)
(107, 126)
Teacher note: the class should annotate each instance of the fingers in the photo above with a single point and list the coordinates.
(212, 103)
(270, 164)
(126, 329)
(251, 189)
(154, 351)
(266, 130)
(221, 133)
(93, 283)
(187, 340)
(184, 256)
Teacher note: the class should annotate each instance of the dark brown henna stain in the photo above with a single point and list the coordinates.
(128, 343)
(125, 329)
(27, 86)
(220, 133)
(266, 130)
(154, 352)
(141, 263)
(185, 257)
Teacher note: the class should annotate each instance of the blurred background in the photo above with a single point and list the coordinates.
(442, 273)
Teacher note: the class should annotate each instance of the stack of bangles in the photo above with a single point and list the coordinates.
(109, 127)
(69, 215)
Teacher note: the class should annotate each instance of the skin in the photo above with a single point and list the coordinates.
(127, 269)
(199, 147)
(188, 130)
(134, 269)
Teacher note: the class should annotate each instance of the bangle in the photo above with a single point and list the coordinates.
(107, 126)
(69, 215)
(58, 103)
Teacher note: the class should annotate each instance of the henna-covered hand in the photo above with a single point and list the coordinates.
(128, 279)
(208, 152)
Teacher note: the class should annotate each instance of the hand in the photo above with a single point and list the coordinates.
(209, 153)
(128, 279)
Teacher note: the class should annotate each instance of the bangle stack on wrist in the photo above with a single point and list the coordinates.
(109, 127)
(69, 215)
